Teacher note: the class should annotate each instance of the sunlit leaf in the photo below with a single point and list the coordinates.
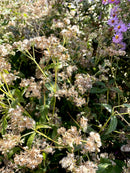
(108, 107)
(102, 167)
(112, 125)
(40, 126)
(127, 105)
(30, 140)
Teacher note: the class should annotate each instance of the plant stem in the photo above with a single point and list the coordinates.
(42, 134)
(105, 124)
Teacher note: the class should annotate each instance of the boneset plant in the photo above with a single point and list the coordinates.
(64, 86)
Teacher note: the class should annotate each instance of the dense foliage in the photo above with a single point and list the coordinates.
(64, 86)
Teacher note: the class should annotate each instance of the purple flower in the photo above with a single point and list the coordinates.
(117, 38)
(113, 21)
(120, 27)
(114, 11)
(113, 1)
(104, 2)
(117, 2)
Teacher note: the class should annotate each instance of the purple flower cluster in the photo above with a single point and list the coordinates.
(110, 2)
(118, 25)
(113, 1)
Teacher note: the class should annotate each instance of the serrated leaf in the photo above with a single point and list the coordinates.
(30, 140)
(112, 125)
(40, 126)
(108, 107)
(127, 105)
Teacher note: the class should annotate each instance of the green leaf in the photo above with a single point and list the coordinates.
(113, 169)
(106, 166)
(127, 105)
(54, 133)
(98, 90)
(30, 140)
(44, 111)
(51, 66)
(49, 87)
(5, 22)
(40, 126)
(117, 90)
(44, 156)
(105, 160)
(6, 71)
(13, 151)
(14, 103)
(102, 167)
(4, 125)
(101, 84)
(108, 107)
(112, 125)
(18, 95)
(2, 104)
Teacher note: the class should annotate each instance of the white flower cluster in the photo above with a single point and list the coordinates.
(93, 143)
(29, 158)
(83, 82)
(8, 142)
(69, 162)
(18, 121)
